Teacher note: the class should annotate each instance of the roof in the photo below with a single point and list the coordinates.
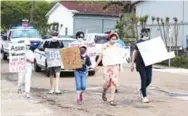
(91, 8)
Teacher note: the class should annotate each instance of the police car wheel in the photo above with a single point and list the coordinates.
(36, 67)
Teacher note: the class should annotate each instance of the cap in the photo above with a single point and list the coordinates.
(83, 46)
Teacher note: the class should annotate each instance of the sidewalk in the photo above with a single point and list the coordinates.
(13, 104)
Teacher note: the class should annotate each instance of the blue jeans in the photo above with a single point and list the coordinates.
(80, 79)
(146, 78)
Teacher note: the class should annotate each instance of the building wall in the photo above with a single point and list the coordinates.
(63, 16)
(165, 9)
(94, 24)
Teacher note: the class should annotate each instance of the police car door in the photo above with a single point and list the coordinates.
(40, 54)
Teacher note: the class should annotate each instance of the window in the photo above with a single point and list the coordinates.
(67, 42)
(32, 33)
(99, 39)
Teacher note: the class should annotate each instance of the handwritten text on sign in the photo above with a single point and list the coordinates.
(53, 57)
(91, 48)
(71, 58)
(17, 57)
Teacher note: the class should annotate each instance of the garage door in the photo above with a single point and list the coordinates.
(87, 25)
(94, 24)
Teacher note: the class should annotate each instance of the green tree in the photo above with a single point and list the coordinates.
(127, 24)
(12, 12)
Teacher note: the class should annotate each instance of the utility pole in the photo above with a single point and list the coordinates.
(32, 11)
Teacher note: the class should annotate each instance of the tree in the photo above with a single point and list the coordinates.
(12, 12)
(158, 23)
(176, 31)
(127, 24)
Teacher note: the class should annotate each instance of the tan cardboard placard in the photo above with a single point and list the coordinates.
(71, 58)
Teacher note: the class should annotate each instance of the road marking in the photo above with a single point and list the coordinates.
(182, 97)
(93, 88)
(178, 71)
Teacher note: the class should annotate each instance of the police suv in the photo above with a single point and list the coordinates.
(18, 34)
(40, 62)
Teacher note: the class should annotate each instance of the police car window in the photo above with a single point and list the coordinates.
(67, 42)
(100, 39)
(33, 33)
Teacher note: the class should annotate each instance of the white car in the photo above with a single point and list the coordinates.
(100, 39)
(40, 57)
(18, 35)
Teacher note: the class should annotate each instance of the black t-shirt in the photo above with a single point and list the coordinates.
(139, 59)
(52, 44)
(87, 63)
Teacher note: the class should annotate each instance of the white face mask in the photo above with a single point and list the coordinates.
(145, 38)
(54, 39)
(112, 41)
(27, 47)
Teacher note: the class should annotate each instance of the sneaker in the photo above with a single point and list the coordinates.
(27, 95)
(145, 100)
(51, 91)
(79, 102)
(19, 91)
(57, 92)
(81, 97)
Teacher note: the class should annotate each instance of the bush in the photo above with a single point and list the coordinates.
(178, 61)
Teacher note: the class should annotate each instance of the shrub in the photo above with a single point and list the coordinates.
(178, 61)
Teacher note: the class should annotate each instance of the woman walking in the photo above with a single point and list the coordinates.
(144, 71)
(111, 59)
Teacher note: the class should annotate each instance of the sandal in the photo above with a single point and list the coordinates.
(104, 96)
(112, 103)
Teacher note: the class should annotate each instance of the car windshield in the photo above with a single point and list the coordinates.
(99, 39)
(30, 33)
(67, 42)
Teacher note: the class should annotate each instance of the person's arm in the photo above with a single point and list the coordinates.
(30, 58)
(134, 55)
(88, 61)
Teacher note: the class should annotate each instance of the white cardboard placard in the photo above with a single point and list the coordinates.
(154, 51)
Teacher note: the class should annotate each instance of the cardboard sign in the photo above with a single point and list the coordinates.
(91, 48)
(53, 57)
(154, 51)
(71, 58)
(17, 60)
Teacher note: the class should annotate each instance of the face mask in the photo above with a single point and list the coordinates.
(145, 38)
(112, 41)
(54, 39)
(27, 47)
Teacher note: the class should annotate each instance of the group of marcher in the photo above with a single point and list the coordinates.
(112, 65)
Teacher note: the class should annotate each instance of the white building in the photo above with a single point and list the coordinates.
(83, 16)
(165, 9)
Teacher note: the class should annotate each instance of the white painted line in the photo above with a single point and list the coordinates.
(93, 88)
(183, 98)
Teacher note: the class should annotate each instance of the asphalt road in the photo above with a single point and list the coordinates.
(168, 93)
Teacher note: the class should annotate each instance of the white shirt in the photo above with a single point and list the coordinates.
(111, 55)
(30, 56)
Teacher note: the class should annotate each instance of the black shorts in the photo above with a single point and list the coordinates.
(54, 70)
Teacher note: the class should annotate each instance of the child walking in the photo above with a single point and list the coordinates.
(81, 74)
